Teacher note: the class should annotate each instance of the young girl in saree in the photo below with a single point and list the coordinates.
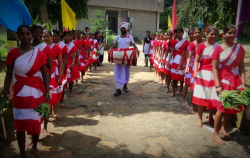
(155, 55)
(56, 39)
(178, 48)
(37, 37)
(95, 56)
(83, 56)
(189, 66)
(204, 90)
(160, 57)
(57, 75)
(229, 74)
(31, 87)
(189, 79)
(72, 71)
(151, 50)
(167, 68)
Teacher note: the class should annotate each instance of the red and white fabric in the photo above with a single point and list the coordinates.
(151, 44)
(72, 74)
(204, 89)
(228, 72)
(82, 58)
(178, 49)
(95, 56)
(155, 54)
(160, 53)
(167, 68)
(189, 79)
(28, 89)
(58, 91)
(53, 82)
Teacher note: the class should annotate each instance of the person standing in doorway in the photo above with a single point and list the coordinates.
(146, 47)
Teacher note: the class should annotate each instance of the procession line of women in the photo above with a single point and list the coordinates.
(42, 71)
(205, 66)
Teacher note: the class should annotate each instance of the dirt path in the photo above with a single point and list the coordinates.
(145, 122)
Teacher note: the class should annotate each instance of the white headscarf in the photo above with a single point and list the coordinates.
(125, 25)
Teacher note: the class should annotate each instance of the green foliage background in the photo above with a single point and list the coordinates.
(54, 9)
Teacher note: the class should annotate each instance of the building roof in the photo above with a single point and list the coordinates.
(149, 5)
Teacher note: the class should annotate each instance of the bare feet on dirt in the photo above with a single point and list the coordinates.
(199, 123)
(191, 110)
(183, 103)
(217, 139)
(46, 134)
(36, 152)
(56, 117)
(62, 105)
(29, 142)
(224, 133)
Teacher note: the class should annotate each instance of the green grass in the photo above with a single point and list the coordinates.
(248, 54)
(3, 46)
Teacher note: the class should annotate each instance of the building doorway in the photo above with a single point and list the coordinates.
(112, 20)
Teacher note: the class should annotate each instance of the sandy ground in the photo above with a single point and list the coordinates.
(146, 122)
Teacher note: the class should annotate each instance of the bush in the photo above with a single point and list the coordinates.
(3, 46)
(110, 39)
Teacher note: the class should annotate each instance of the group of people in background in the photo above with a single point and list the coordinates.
(46, 65)
(205, 66)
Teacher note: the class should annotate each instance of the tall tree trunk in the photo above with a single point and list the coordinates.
(44, 13)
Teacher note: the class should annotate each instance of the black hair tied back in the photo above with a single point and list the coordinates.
(47, 31)
(36, 26)
(66, 33)
(228, 27)
(56, 32)
(179, 29)
(212, 28)
(198, 28)
(21, 27)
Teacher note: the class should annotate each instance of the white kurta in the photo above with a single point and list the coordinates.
(146, 48)
(122, 72)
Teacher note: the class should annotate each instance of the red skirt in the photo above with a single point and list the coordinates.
(229, 80)
(177, 74)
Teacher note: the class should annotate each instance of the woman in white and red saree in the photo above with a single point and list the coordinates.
(204, 90)
(178, 52)
(72, 70)
(37, 37)
(155, 55)
(83, 56)
(167, 67)
(62, 45)
(229, 74)
(57, 75)
(189, 66)
(31, 88)
(95, 56)
(151, 50)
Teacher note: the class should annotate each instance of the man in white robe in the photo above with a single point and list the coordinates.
(122, 72)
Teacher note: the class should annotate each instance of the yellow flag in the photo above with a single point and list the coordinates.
(68, 16)
(169, 23)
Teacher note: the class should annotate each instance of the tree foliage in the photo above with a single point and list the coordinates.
(98, 23)
(54, 9)
(210, 11)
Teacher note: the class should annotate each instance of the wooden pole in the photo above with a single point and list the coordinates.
(2, 119)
